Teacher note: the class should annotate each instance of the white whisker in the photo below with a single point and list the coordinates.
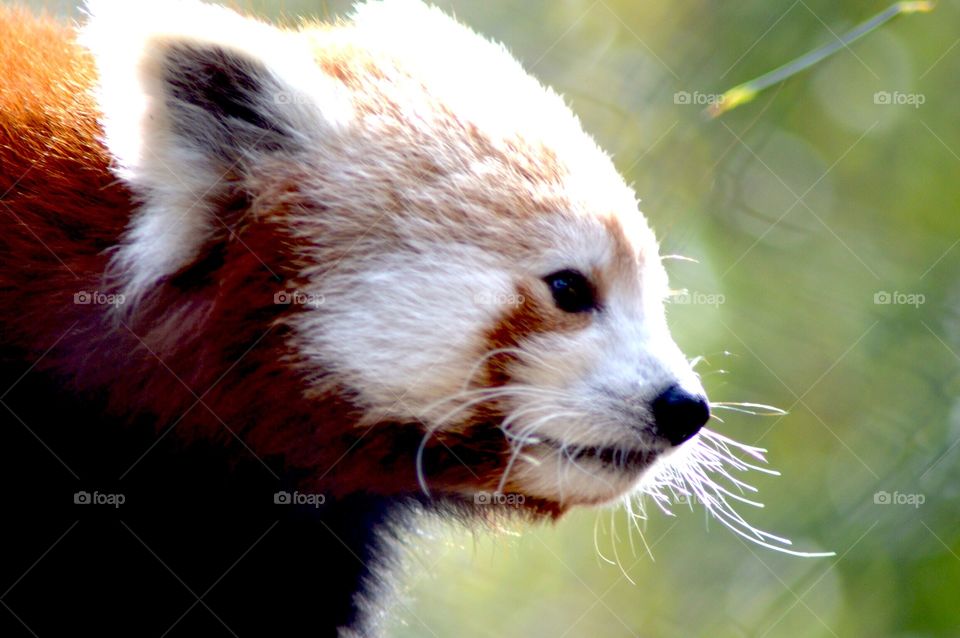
(769, 410)
(518, 448)
(709, 460)
(678, 258)
(616, 541)
(469, 398)
(596, 541)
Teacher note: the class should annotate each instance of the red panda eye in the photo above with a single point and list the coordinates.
(572, 292)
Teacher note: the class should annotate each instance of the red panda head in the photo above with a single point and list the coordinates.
(460, 257)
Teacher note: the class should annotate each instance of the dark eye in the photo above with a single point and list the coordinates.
(572, 292)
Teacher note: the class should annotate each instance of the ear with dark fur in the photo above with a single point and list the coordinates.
(223, 104)
(192, 97)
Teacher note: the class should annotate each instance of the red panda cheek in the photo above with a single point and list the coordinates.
(533, 313)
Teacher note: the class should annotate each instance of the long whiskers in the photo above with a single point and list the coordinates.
(524, 439)
(710, 459)
(469, 398)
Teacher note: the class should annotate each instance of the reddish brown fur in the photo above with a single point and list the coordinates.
(205, 354)
(55, 188)
(532, 315)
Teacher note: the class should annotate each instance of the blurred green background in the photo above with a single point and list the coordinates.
(824, 221)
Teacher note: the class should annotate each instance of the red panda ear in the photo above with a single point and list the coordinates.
(190, 95)
(221, 105)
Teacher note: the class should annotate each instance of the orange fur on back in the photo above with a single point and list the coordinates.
(60, 207)
(48, 118)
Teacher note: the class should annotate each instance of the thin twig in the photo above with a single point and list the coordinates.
(743, 93)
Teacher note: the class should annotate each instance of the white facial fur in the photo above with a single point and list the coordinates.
(418, 258)
(599, 383)
(407, 328)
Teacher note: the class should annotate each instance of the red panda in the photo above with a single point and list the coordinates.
(376, 258)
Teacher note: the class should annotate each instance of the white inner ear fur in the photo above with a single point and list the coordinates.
(152, 133)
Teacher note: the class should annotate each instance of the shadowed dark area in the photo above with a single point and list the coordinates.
(193, 524)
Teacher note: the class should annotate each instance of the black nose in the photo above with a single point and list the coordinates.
(678, 414)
